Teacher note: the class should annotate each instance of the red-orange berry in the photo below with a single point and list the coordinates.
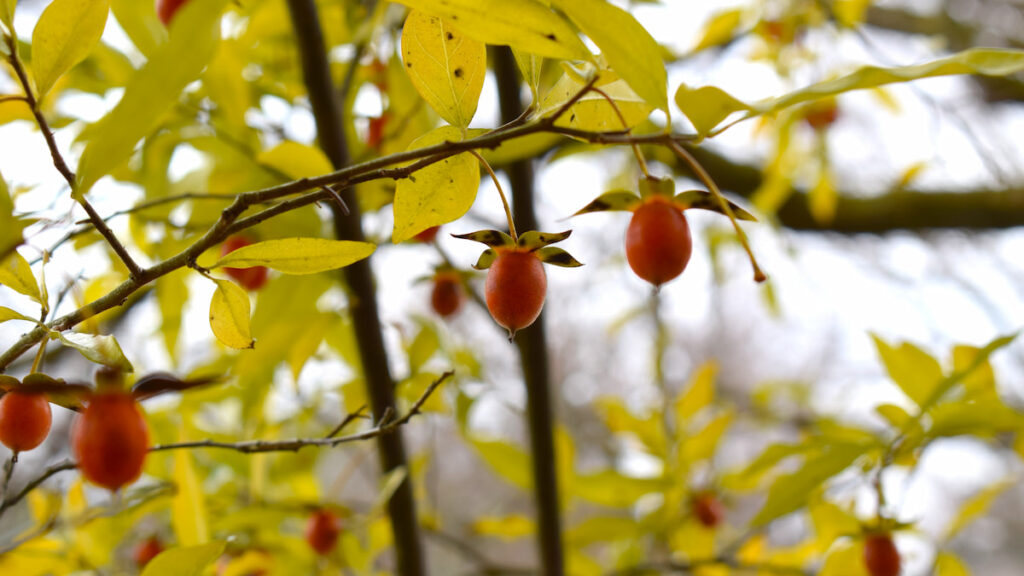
(322, 531)
(821, 114)
(375, 133)
(110, 440)
(515, 288)
(166, 9)
(25, 420)
(249, 278)
(658, 243)
(881, 556)
(427, 235)
(447, 295)
(708, 510)
(147, 550)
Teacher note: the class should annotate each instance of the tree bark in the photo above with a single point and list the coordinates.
(532, 344)
(329, 117)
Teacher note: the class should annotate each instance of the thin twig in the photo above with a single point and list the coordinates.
(501, 192)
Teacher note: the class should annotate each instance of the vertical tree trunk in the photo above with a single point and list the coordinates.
(329, 117)
(532, 344)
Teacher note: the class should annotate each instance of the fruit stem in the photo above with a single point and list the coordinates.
(504, 201)
(625, 125)
(37, 363)
(704, 177)
(8, 473)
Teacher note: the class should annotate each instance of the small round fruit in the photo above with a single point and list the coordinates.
(658, 244)
(427, 235)
(25, 420)
(110, 440)
(166, 9)
(446, 297)
(375, 133)
(322, 531)
(147, 550)
(708, 510)
(249, 278)
(515, 289)
(821, 114)
(881, 556)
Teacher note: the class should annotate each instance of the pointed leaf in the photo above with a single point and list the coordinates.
(506, 460)
(16, 274)
(66, 32)
(8, 314)
(492, 238)
(296, 160)
(526, 25)
(186, 561)
(720, 29)
(702, 200)
(507, 528)
(592, 111)
(626, 45)
(790, 492)
(188, 508)
(530, 66)
(152, 91)
(446, 67)
(230, 315)
(100, 349)
(557, 257)
(437, 194)
(298, 255)
(702, 445)
(535, 239)
(948, 564)
(7, 13)
(615, 200)
(700, 393)
(913, 370)
(706, 107)
(487, 258)
(976, 507)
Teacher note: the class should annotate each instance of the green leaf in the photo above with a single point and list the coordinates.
(702, 445)
(604, 530)
(525, 25)
(188, 508)
(8, 314)
(186, 561)
(702, 200)
(983, 417)
(16, 274)
(139, 21)
(492, 238)
(706, 107)
(535, 239)
(790, 492)
(296, 160)
(615, 490)
(100, 349)
(487, 257)
(152, 91)
(912, 369)
(298, 255)
(530, 66)
(977, 506)
(65, 34)
(623, 200)
(445, 66)
(437, 194)
(557, 257)
(720, 29)
(700, 393)
(230, 315)
(507, 460)
(626, 45)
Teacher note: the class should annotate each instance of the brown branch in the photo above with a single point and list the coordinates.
(58, 161)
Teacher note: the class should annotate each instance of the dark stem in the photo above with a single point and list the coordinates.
(532, 345)
(328, 114)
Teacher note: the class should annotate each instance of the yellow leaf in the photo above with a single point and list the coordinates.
(592, 111)
(977, 506)
(530, 66)
(506, 460)
(706, 107)
(298, 255)
(65, 34)
(152, 91)
(8, 314)
(16, 274)
(912, 369)
(850, 13)
(948, 564)
(526, 25)
(229, 315)
(822, 198)
(507, 528)
(296, 160)
(102, 349)
(437, 194)
(7, 12)
(446, 67)
(188, 509)
(982, 378)
(846, 558)
(186, 561)
(626, 45)
(701, 446)
(911, 174)
(720, 29)
(140, 23)
(700, 393)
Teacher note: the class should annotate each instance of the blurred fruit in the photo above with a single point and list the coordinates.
(252, 278)
(25, 419)
(110, 440)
